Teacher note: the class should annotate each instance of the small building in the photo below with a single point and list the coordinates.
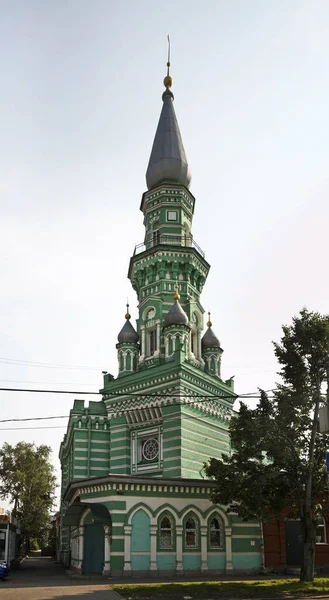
(283, 544)
(9, 538)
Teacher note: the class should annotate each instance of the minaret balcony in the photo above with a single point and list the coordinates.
(186, 241)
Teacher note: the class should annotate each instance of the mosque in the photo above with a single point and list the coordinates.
(134, 497)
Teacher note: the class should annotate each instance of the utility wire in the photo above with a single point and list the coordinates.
(24, 428)
(31, 363)
(34, 419)
(197, 400)
(44, 382)
(81, 393)
(118, 394)
(34, 363)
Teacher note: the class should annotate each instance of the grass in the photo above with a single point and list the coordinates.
(211, 590)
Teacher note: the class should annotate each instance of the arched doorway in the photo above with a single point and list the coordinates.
(90, 532)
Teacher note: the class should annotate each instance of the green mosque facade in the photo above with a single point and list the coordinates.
(134, 496)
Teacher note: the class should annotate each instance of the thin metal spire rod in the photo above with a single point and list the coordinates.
(168, 62)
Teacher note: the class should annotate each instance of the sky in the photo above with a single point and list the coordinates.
(81, 86)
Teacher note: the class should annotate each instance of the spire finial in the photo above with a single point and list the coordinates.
(176, 296)
(209, 323)
(127, 315)
(167, 82)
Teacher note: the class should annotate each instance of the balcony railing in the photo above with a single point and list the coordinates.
(158, 239)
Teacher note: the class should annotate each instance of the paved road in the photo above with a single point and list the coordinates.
(43, 579)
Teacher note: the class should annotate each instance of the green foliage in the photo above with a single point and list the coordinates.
(278, 588)
(28, 481)
(279, 454)
(34, 545)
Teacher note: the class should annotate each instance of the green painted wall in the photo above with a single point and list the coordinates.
(246, 561)
(216, 562)
(140, 534)
(166, 562)
(191, 562)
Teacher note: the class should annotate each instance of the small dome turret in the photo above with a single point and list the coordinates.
(210, 340)
(176, 315)
(211, 351)
(128, 334)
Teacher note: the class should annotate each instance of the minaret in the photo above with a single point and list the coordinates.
(169, 253)
(136, 458)
(127, 347)
(176, 382)
(211, 350)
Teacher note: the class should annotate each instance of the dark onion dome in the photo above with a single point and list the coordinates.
(176, 315)
(168, 160)
(210, 340)
(128, 334)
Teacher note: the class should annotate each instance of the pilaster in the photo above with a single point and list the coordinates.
(179, 548)
(127, 550)
(228, 543)
(107, 551)
(81, 547)
(153, 558)
(204, 554)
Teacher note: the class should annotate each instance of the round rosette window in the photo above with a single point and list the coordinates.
(150, 449)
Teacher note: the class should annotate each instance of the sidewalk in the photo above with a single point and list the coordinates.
(43, 579)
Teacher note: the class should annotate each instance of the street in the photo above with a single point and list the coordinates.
(43, 579)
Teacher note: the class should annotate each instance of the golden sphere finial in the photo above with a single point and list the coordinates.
(176, 296)
(209, 323)
(167, 82)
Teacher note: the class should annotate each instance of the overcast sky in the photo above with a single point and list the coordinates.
(81, 86)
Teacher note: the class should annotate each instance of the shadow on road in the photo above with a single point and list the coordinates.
(41, 577)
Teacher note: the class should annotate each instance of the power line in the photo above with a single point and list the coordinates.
(81, 393)
(197, 399)
(24, 428)
(34, 419)
(125, 394)
(34, 363)
(45, 382)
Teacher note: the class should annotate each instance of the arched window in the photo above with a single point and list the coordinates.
(191, 533)
(166, 539)
(214, 530)
(194, 334)
(155, 233)
(152, 342)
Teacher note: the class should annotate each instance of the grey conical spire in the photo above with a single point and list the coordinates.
(176, 315)
(168, 160)
(128, 335)
(210, 339)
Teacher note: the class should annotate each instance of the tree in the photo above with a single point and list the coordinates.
(278, 456)
(27, 479)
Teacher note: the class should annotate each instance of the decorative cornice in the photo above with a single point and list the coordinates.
(210, 407)
(167, 190)
(126, 483)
